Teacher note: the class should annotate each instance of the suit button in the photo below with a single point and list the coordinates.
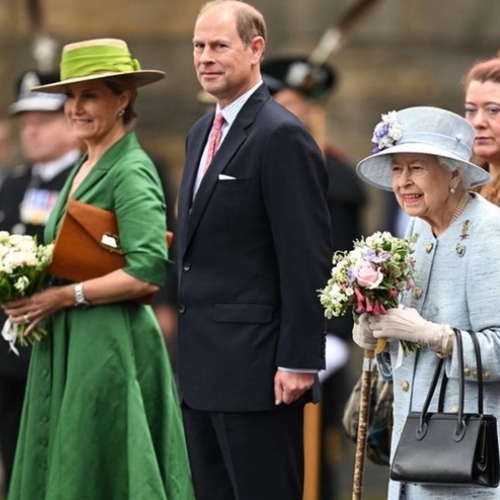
(405, 385)
(417, 292)
(182, 308)
(187, 266)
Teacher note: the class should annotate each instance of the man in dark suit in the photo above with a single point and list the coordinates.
(254, 248)
(28, 195)
(303, 88)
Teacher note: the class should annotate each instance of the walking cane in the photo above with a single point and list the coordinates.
(364, 415)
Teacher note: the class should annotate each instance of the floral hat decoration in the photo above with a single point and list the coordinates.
(99, 58)
(424, 130)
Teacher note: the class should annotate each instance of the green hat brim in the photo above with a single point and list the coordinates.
(138, 78)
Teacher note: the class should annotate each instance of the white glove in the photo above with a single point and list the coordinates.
(407, 324)
(362, 334)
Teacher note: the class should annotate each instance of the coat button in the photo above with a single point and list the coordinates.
(182, 308)
(466, 372)
(187, 266)
(417, 292)
(405, 385)
(429, 247)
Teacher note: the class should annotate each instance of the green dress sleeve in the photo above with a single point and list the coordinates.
(140, 211)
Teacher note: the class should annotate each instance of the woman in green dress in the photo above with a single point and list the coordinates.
(101, 418)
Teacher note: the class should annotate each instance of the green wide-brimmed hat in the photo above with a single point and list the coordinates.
(97, 59)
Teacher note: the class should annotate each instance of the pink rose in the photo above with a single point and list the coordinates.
(367, 275)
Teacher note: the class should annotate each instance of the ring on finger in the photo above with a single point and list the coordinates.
(27, 319)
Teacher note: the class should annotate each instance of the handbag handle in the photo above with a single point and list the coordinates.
(479, 370)
(461, 427)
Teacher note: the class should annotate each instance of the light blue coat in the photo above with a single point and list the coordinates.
(458, 284)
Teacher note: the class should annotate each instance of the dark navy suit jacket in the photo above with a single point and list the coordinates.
(252, 254)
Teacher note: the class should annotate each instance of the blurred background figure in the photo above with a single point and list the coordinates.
(482, 110)
(28, 195)
(304, 88)
(6, 149)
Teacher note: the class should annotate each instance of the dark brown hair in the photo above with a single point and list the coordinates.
(119, 84)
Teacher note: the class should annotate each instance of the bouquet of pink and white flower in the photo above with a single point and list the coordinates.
(370, 277)
(23, 269)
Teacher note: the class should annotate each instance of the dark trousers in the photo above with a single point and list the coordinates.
(246, 456)
(11, 405)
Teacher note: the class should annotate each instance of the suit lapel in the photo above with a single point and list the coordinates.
(193, 156)
(236, 136)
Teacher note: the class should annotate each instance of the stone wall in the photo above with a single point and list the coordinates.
(405, 52)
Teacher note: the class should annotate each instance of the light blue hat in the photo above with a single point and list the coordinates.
(425, 130)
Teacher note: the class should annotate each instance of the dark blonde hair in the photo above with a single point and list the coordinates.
(249, 21)
(485, 71)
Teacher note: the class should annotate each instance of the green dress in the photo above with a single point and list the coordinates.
(101, 418)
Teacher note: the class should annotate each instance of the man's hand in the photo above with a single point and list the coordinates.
(289, 386)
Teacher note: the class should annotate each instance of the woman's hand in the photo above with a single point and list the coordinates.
(31, 310)
(407, 324)
(363, 335)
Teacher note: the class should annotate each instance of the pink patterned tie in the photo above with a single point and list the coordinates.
(214, 140)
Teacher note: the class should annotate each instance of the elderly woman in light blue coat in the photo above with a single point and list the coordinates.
(423, 156)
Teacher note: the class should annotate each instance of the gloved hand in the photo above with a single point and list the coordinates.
(407, 324)
(362, 334)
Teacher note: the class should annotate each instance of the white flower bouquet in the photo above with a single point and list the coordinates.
(23, 268)
(369, 278)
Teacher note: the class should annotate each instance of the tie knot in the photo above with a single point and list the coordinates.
(218, 122)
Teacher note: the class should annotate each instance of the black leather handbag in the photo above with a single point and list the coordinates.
(449, 448)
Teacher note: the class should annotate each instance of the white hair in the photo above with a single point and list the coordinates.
(453, 165)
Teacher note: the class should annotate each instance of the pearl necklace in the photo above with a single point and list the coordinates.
(460, 208)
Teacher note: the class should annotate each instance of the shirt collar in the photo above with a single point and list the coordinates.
(230, 112)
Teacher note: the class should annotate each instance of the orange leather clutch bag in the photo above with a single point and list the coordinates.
(87, 245)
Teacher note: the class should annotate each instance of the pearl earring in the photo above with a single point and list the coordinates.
(452, 190)
(121, 112)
